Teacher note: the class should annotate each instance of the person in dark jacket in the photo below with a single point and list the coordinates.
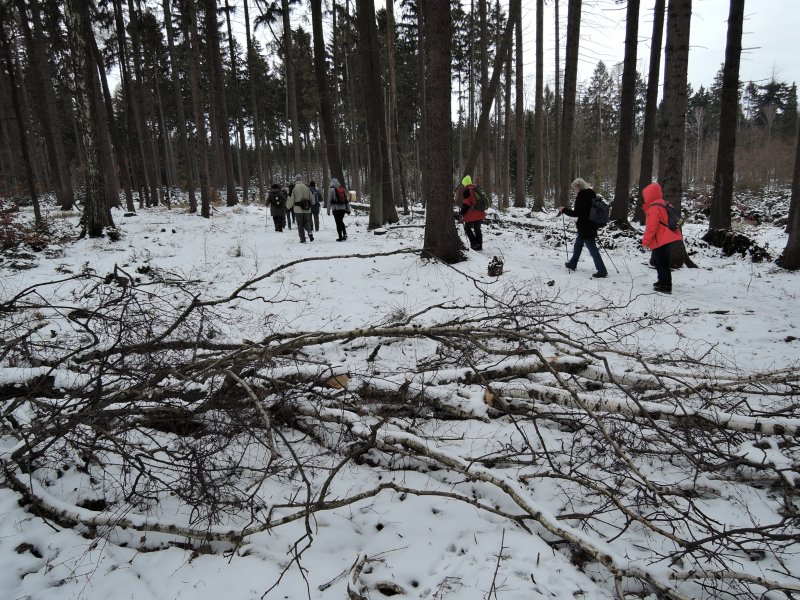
(340, 207)
(276, 200)
(316, 203)
(587, 231)
(659, 237)
(473, 217)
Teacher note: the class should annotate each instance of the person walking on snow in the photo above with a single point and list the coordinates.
(587, 231)
(339, 204)
(276, 200)
(659, 237)
(300, 201)
(473, 217)
(316, 203)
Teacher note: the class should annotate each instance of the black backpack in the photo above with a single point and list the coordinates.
(482, 200)
(599, 212)
(275, 198)
(674, 220)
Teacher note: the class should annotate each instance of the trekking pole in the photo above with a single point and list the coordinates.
(611, 259)
(564, 224)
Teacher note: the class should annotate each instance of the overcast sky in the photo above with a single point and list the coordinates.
(770, 39)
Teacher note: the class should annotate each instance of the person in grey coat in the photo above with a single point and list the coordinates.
(300, 202)
(340, 205)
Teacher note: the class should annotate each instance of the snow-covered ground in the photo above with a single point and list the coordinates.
(745, 315)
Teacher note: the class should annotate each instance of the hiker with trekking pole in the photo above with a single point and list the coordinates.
(585, 198)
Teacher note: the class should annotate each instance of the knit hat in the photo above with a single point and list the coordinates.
(466, 181)
(298, 178)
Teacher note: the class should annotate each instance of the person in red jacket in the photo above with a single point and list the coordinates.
(471, 215)
(658, 236)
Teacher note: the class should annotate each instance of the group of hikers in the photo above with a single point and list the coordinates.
(661, 235)
(301, 204)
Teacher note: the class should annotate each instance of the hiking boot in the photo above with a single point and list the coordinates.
(599, 275)
(311, 237)
(569, 266)
(662, 288)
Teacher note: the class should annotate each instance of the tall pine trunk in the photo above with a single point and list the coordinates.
(219, 103)
(180, 113)
(47, 109)
(570, 87)
(325, 109)
(21, 114)
(96, 215)
(790, 259)
(673, 124)
(291, 84)
(241, 155)
(199, 111)
(519, 113)
(398, 184)
(557, 136)
(720, 217)
(441, 238)
(538, 117)
(254, 105)
(650, 108)
(619, 210)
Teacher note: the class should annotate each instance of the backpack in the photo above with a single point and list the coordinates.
(599, 212)
(482, 201)
(275, 199)
(341, 195)
(674, 220)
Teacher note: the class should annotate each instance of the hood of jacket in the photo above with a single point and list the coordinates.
(334, 182)
(652, 193)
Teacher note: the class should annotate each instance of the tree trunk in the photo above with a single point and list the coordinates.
(180, 113)
(325, 109)
(720, 217)
(254, 106)
(96, 215)
(673, 125)
(241, 155)
(538, 137)
(503, 54)
(382, 209)
(519, 112)
(570, 86)
(487, 96)
(651, 108)
(790, 259)
(291, 85)
(116, 140)
(557, 183)
(48, 111)
(422, 158)
(398, 184)
(133, 107)
(441, 239)
(218, 92)
(619, 209)
(505, 162)
(21, 114)
(199, 113)
(156, 191)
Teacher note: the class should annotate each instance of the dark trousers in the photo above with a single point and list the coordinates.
(594, 252)
(279, 221)
(473, 231)
(315, 215)
(662, 260)
(304, 225)
(338, 216)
